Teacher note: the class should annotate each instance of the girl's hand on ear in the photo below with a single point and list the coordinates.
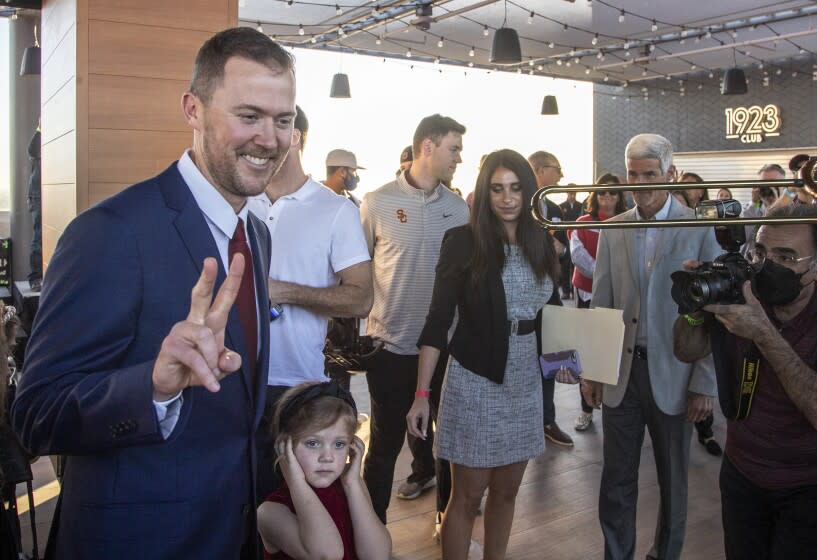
(356, 451)
(290, 467)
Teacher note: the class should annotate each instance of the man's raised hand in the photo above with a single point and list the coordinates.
(194, 353)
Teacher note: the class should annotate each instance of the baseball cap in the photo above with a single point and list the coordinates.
(342, 158)
(406, 155)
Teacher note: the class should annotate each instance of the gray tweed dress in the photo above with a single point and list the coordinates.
(483, 424)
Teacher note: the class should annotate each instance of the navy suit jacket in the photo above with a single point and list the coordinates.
(119, 279)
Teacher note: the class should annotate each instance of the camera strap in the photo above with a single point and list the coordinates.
(748, 381)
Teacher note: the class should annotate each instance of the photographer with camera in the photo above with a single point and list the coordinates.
(765, 354)
(654, 390)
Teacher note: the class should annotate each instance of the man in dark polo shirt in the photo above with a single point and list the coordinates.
(769, 473)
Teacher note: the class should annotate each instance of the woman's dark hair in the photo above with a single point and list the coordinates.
(489, 233)
(690, 175)
(591, 205)
(608, 179)
(695, 178)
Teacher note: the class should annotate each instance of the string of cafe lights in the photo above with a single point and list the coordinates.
(770, 77)
(797, 46)
(696, 34)
(538, 64)
(685, 87)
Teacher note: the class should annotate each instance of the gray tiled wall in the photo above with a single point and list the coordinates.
(696, 122)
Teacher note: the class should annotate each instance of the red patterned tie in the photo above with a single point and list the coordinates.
(245, 302)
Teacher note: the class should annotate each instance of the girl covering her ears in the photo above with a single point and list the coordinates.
(323, 509)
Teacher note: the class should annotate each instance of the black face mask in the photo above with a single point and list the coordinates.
(776, 284)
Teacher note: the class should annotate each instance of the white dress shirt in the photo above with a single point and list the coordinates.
(222, 220)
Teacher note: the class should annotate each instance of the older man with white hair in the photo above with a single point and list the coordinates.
(654, 389)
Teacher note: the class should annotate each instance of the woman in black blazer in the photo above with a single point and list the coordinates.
(497, 272)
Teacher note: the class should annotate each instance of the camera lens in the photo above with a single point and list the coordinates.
(698, 291)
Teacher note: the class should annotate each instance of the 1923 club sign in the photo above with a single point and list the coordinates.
(752, 124)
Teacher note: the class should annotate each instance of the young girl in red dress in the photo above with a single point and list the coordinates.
(323, 509)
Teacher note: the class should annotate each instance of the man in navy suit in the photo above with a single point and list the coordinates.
(150, 391)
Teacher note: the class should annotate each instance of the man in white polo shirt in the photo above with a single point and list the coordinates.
(320, 268)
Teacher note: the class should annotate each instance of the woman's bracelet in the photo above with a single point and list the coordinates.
(422, 393)
(695, 321)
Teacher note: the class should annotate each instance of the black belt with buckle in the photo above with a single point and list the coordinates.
(640, 352)
(521, 327)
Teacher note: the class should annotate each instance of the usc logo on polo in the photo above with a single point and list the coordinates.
(401, 217)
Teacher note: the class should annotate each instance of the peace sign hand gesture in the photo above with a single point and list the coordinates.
(194, 353)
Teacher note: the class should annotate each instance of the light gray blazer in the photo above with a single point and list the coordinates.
(616, 285)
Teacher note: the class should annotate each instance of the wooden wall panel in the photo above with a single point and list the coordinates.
(113, 75)
(61, 67)
(59, 160)
(130, 156)
(57, 17)
(61, 205)
(122, 102)
(204, 15)
(59, 113)
(97, 192)
(123, 49)
(50, 238)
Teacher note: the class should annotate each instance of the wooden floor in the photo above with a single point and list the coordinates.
(556, 510)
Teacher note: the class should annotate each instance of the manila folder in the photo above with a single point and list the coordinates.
(597, 334)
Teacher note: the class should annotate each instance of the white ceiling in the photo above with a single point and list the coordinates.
(559, 39)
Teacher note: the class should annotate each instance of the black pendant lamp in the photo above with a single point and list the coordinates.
(734, 82)
(505, 49)
(30, 65)
(31, 62)
(549, 105)
(340, 87)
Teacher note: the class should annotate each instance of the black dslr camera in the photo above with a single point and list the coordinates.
(346, 350)
(721, 280)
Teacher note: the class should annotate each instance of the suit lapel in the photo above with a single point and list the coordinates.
(630, 244)
(190, 222)
(194, 232)
(668, 234)
(260, 261)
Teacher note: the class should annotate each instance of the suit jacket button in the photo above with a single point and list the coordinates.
(629, 350)
(635, 320)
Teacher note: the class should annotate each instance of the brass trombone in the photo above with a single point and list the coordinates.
(807, 179)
